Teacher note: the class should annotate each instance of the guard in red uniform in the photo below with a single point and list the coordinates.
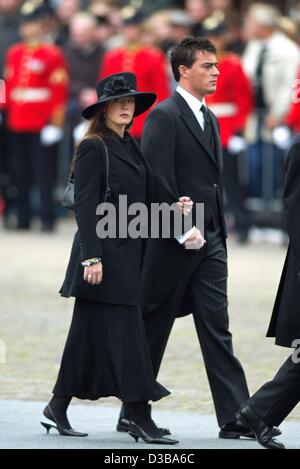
(293, 117)
(148, 63)
(36, 90)
(232, 104)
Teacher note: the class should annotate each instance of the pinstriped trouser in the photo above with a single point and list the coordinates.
(206, 293)
(276, 399)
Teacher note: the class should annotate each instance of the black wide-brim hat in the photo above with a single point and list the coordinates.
(120, 85)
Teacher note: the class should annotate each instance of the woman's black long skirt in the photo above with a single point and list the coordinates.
(106, 354)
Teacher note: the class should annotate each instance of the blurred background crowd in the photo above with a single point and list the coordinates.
(53, 52)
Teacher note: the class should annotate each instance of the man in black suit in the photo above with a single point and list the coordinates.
(188, 275)
(272, 403)
(182, 143)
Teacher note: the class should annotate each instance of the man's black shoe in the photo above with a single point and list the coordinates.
(263, 433)
(236, 430)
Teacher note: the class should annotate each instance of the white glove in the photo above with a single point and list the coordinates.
(50, 135)
(282, 137)
(79, 130)
(236, 144)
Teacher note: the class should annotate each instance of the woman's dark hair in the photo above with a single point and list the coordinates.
(184, 53)
(97, 129)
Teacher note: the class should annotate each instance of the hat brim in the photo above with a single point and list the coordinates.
(143, 102)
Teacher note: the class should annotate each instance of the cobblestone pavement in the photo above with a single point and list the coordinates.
(34, 321)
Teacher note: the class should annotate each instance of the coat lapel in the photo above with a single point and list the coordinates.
(149, 175)
(190, 120)
(115, 148)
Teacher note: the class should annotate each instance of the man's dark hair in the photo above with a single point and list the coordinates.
(184, 53)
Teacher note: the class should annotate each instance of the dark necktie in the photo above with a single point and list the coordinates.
(206, 116)
(207, 127)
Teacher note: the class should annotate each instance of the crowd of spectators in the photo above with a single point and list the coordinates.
(256, 102)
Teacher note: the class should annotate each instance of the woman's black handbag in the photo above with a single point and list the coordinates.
(68, 197)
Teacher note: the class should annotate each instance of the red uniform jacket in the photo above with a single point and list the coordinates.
(293, 116)
(233, 100)
(150, 67)
(2, 94)
(36, 87)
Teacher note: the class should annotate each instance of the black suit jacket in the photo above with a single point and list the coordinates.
(285, 320)
(180, 158)
(121, 258)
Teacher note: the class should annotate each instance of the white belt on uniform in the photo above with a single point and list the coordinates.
(31, 95)
(224, 109)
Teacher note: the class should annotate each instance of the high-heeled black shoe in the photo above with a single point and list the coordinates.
(136, 431)
(49, 414)
(123, 422)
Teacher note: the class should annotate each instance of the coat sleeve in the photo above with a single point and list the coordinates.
(59, 86)
(8, 76)
(87, 189)
(292, 200)
(158, 146)
(243, 98)
(287, 67)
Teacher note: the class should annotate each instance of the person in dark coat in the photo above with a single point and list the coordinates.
(272, 403)
(180, 276)
(106, 352)
(84, 58)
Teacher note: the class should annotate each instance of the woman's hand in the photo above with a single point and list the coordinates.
(185, 205)
(93, 274)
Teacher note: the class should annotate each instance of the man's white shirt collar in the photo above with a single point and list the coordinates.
(194, 104)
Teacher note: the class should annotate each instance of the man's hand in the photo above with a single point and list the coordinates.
(185, 205)
(195, 241)
(93, 274)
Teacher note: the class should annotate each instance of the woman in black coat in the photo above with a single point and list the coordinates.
(272, 403)
(106, 352)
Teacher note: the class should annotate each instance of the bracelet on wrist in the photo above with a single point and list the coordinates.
(89, 262)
